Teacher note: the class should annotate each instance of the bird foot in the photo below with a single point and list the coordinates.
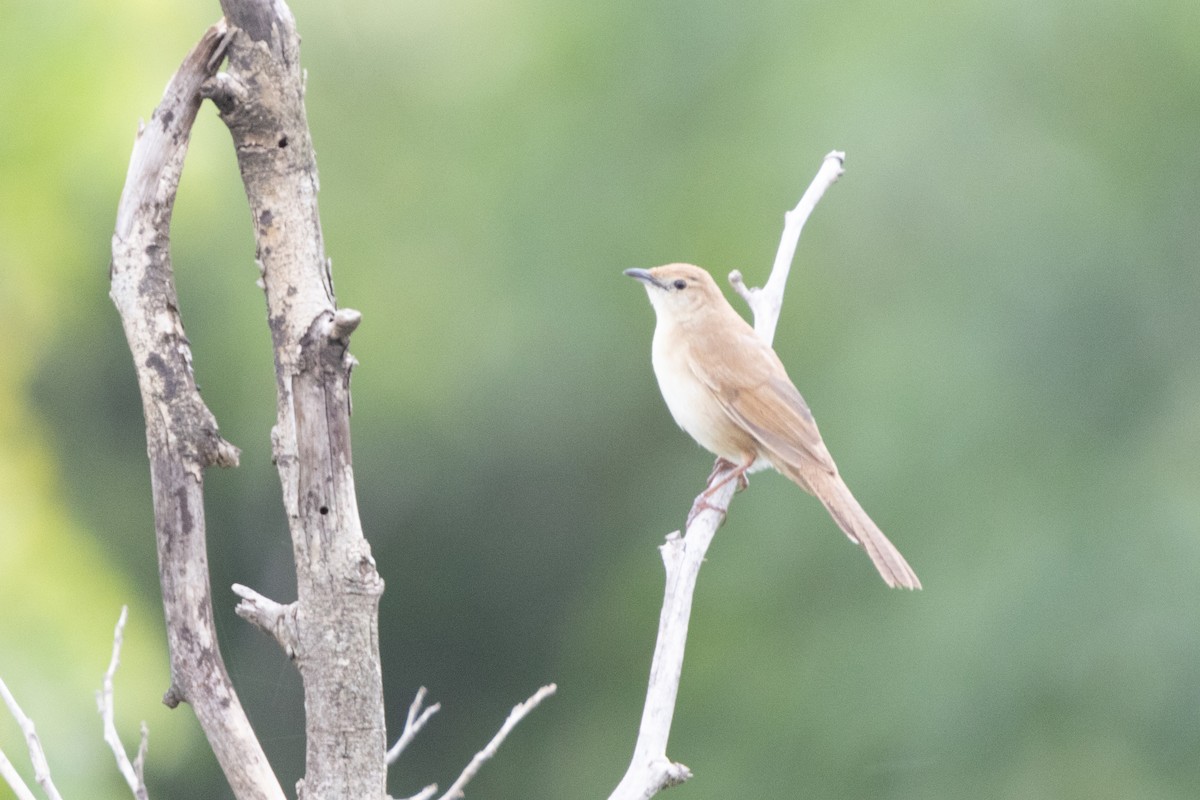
(725, 465)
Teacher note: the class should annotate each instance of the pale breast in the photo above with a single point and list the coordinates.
(693, 406)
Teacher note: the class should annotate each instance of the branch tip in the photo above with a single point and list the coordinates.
(132, 772)
(413, 723)
(520, 710)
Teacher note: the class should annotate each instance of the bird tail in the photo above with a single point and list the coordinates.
(835, 495)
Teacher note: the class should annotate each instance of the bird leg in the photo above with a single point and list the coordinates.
(734, 471)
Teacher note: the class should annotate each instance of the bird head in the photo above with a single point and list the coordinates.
(677, 291)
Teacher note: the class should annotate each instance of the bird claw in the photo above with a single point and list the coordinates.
(719, 466)
(722, 473)
(725, 465)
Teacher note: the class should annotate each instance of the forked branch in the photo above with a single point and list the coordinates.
(417, 717)
(132, 771)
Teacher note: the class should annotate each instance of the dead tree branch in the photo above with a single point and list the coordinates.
(181, 432)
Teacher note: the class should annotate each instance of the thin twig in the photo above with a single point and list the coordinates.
(412, 725)
(426, 793)
(13, 779)
(516, 715)
(139, 761)
(37, 756)
(104, 701)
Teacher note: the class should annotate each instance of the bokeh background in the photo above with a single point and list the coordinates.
(994, 315)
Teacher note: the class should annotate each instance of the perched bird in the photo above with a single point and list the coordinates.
(726, 387)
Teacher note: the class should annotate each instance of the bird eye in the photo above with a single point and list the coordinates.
(680, 284)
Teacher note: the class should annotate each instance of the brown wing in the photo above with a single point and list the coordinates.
(750, 383)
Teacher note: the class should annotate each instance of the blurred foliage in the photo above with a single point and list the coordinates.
(994, 315)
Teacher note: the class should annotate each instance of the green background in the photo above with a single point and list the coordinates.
(994, 315)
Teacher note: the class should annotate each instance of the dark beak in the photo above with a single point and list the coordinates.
(645, 277)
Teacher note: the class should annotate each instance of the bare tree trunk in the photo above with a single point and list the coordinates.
(332, 629)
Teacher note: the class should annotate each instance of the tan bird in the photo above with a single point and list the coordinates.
(726, 387)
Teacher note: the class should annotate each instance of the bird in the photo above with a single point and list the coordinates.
(726, 387)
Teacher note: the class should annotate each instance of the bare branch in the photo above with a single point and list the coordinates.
(426, 793)
(104, 701)
(650, 770)
(181, 433)
(139, 761)
(333, 632)
(413, 723)
(767, 302)
(37, 756)
(520, 710)
(13, 779)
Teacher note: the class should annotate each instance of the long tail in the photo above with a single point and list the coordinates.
(835, 495)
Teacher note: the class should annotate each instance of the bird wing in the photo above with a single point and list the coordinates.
(751, 385)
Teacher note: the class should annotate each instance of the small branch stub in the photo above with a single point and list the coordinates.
(345, 322)
(270, 617)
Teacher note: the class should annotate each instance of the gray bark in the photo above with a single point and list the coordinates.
(331, 630)
(181, 433)
(335, 637)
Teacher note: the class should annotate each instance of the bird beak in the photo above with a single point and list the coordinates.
(645, 277)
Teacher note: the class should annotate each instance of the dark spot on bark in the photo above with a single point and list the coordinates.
(170, 386)
(265, 218)
(283, 141)
(185, 513)
(167, 119)
(324, 510)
